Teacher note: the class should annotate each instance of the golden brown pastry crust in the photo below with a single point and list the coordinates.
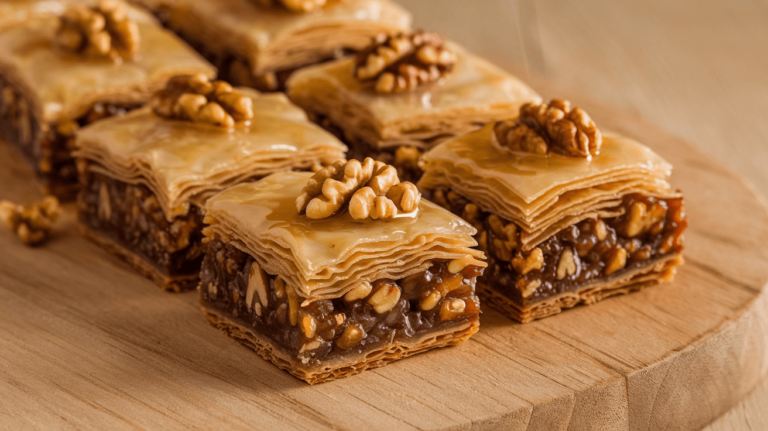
(349, 366)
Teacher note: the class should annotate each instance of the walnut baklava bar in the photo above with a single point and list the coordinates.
(145, 176)
(355, 273)
(259, 43)
(60, 73)
(405, 94)
(566, 214)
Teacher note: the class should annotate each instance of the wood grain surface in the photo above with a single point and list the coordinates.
(87, 343)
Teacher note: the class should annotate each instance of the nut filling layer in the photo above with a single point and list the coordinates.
(650, 230)
(130, 216)
(47, 146)
(365, 318)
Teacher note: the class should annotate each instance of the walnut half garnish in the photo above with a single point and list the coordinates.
(371, 189)
(103, 31)
(32, 225)
(195, 98)
(551, 128)
(300, 6)
(403, 62)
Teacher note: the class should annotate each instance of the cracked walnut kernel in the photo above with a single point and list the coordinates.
(103, 31)
(405, 61)
(33, 224)
(551, 128)
(371, 189)
(196, 98)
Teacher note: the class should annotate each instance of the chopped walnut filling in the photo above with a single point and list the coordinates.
(592, 249)
(195, 98)
(551, 128)
(31, 224)
(371, 189)
(103, 31)
(131, 215)
(372, 313)
(302, 6)
(405, 61)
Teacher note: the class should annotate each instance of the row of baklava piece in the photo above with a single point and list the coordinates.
(324, 266)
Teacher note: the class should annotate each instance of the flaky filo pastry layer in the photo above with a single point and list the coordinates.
(474, 93)
(545, 194)
(325, 259)
(63, 86)
(274, 40)
(184, 163)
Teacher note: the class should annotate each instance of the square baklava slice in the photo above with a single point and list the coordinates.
(258, 43)
(405, 94)
(355, 273)
(566, 214)
(60, 73)
(145, 176)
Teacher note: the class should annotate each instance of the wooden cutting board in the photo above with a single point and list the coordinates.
(87, 343)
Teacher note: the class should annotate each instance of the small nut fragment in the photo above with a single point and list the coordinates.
(526, 287)
(432, 299)
(640, 218)
(404, 62)
(282, 314)
(257, 285)
(365, 186)
(524, 265)
(31, 224)
(339, 319)
(308, 326)
(101, 31)
(551, 128)
(458, 265)
(501, 251)
(616, 261)
(359, 292)
(293, 304)
(213, 289)
(195, 98)
(452, 309)
(105, 203)
(311, 345)
(279, 288)
(497, 226)
(567, 265)
(600, 230)
(407, 157)
(351, 336)
(385, 297)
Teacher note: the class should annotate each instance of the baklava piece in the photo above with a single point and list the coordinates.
(405, 94)
(259, 43)
(355, 273)
(145, 176)
(566, 214)
(60, 73)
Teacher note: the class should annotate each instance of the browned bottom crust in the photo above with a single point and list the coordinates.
(380, 356)
(172, 284)
(655, 273)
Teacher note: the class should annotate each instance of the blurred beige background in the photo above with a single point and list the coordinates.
(697, 68)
